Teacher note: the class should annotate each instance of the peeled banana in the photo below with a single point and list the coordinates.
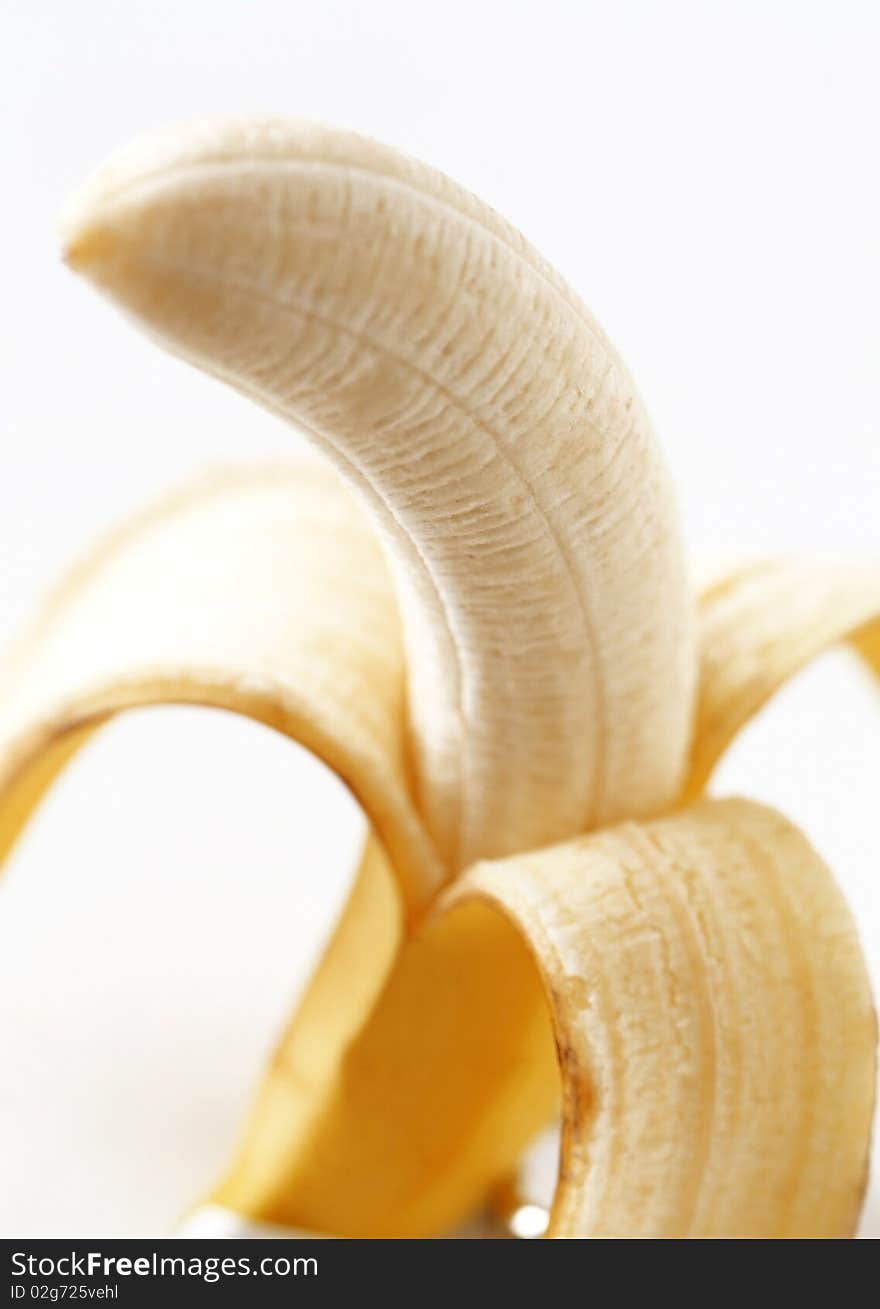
(483, 419)
(477, 610)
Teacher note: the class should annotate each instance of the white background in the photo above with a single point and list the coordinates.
(707, 177)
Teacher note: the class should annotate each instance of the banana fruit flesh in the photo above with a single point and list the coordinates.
(500, 659)
(482, 417)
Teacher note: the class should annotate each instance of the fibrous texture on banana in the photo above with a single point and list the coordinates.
(477, 612)
(482, 417)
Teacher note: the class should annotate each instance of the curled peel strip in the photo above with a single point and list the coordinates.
(239, 593)
(760, 624)
(713, 1021)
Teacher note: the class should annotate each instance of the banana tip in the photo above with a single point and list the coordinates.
(83, 246)
(84, 230)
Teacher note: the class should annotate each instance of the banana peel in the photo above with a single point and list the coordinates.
(488, 634)
(181, 606)
(760, 624)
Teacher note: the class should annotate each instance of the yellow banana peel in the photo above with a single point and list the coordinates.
(480, 617)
